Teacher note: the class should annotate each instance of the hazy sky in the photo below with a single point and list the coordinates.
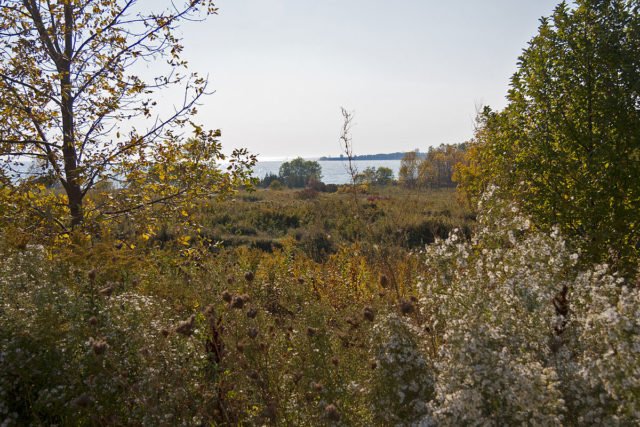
(413, 71)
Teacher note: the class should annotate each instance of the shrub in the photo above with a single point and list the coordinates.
(525, 338)
(403, 382)
(275, 185)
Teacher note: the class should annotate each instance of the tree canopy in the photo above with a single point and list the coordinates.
(78, 109)
(567, 146)
(298, 172)
(375, 176)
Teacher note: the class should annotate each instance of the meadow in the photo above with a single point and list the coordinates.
(397, 306)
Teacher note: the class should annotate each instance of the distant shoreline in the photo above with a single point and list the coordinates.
(382, 156)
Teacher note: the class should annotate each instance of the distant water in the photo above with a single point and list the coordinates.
(333, 171)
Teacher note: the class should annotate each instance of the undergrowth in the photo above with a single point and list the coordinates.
(504, 326)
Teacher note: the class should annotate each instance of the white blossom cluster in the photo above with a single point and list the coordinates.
(403, 382)
(524, 338)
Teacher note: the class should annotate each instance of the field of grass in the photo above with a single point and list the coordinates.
(271, 321)
(296, 308)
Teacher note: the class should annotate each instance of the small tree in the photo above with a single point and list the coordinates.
(74, 109)
(409, 169)
(298, 172)
(375, 176)
(384, 175)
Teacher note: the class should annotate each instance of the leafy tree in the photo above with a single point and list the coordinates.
(298, 172)
(75, 110)
(409, 169)
(375, 176)
(567, 147)
(384, 176)
(437, 167)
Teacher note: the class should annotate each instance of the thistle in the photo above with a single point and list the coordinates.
(406, 307)
(226, 296)
(185, 327)
(98, 346)
(107, 290)
(331, 413)
(368, 314)
(238, 302)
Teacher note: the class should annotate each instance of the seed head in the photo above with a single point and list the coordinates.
(311, 331)
(185, 327)
(301, 280)
(368, 314)
(226, 296)
(374, 365)
(254, 375)
(317, 386)
(384, 281)
(98, 346)
(252, 332)
(230, 279)
(331, 413)
(93, 321)
(210, 311)
(91, 274)
(237, 302)
(252, 313)
(335, 361)
(406, 307)
(165, 332)
(107, 290)
(249, 276)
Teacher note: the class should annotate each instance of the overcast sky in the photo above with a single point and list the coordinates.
(413, 71)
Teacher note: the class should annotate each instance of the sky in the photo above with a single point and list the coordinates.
(413, 72)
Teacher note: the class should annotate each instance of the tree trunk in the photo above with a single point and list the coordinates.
(72, 173)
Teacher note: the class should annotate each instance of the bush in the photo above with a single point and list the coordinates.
(526, 337)
(403, 383)
(275, 185)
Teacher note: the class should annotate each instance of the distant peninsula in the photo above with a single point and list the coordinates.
(382, 156)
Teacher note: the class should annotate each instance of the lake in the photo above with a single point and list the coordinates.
(333, 171)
